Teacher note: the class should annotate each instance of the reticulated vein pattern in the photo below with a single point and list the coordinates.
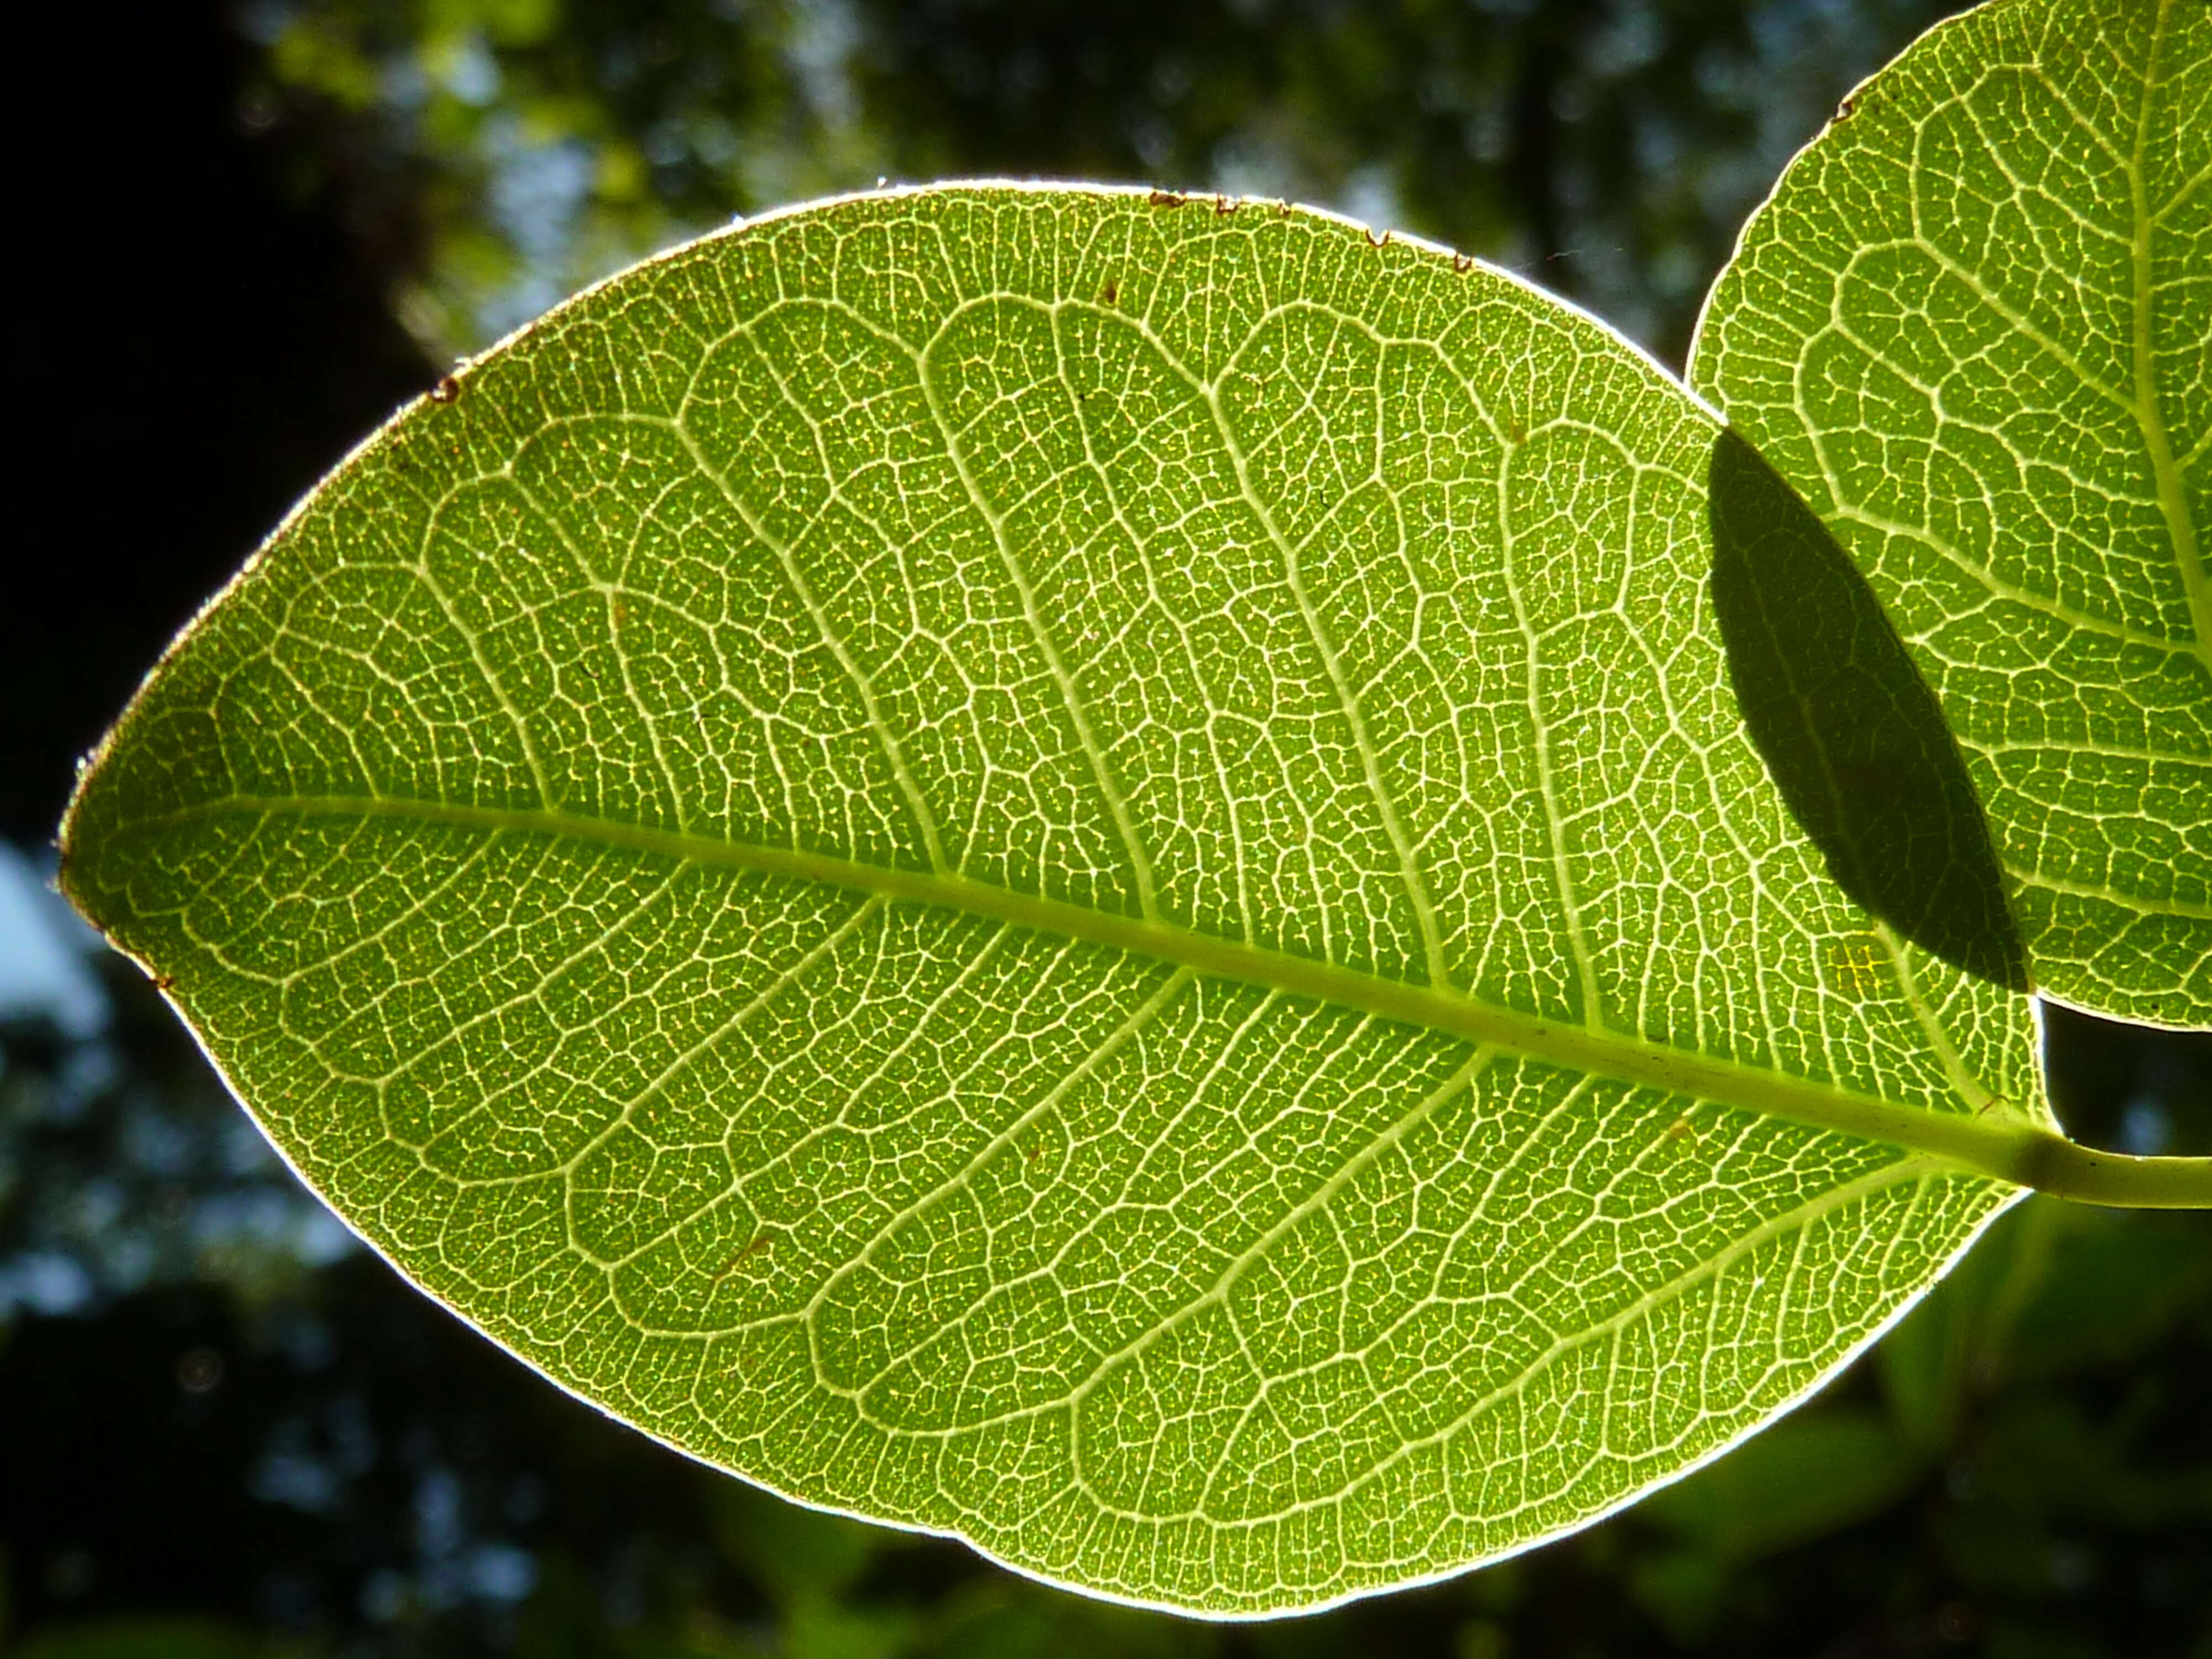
(759, 854)
(1971, 328)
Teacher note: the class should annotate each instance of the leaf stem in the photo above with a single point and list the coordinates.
(2066, 1169)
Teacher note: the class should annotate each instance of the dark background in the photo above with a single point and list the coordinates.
(227, 1429)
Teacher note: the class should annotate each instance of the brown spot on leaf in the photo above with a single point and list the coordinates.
(1167, 198)
(759, 1241)
(1112, 291)
(447, 390)
(1374, 240)
(1857, 965)
(1463, 263)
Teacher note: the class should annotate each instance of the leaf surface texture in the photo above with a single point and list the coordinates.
(1042, 864)
(1970, 329)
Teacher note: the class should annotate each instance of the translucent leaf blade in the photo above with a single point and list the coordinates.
(1075, 869)
(1970, 327)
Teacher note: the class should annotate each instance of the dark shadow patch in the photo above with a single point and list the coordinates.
(1848, 728)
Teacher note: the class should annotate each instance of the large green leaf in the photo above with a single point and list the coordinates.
(1970, 329)
(1086, 870)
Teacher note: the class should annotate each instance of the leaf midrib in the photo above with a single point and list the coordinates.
(1992, 1143)
(2173, 503)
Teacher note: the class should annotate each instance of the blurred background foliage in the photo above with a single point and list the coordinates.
(1608, 148)
(227, 1431)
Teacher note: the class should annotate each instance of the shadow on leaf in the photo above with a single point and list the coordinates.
(1848, 728)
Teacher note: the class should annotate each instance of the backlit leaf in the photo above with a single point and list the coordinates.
(1095, 871)
(1970, 329)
